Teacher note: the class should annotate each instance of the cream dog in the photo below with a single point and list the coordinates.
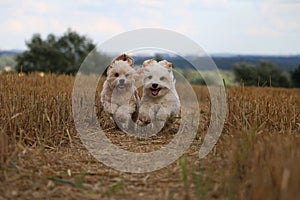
(119, 95)
(160, 99)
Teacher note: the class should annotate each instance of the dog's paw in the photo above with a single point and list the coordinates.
(140, 123)
(122, 115)
(126, 109)
(122, 120)
(123, 126)
(144, 117)
(143, 120)
(113, 108)
(162, 115)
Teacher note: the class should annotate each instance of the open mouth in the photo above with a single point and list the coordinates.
(154, 92)
(121, 86)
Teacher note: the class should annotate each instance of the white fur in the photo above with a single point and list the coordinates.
(120, 100)
(165, 103)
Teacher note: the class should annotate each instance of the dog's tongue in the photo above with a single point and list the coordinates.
(154, 92)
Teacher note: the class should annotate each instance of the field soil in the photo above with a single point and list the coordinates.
(43, 157)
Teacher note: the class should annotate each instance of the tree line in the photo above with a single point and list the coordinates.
(265, 74)
(64, 55)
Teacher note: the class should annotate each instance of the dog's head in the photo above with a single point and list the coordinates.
(158, 77)
(120, 73)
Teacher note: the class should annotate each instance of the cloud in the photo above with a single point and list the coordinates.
(103, 26)
(219, 25)
(284, 15)
(37, 7)
(153, 3)
(214, 3)
(262, 31)
(30, 17)
(14, 25)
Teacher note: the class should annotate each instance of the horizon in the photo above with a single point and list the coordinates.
(216, 54)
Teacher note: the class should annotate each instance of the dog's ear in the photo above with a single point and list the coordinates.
(125, 57)
(166, 64)
(148, 62)
(108, 69)
(141, 71)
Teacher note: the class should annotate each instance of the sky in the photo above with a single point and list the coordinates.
(269, 27)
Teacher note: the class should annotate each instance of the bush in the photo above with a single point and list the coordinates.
(263, 74)
(295, 77)
(62, 55)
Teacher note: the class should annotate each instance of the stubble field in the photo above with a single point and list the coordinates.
(42, 157)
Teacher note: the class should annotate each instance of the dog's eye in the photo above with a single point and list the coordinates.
(150, 77)
(162, 78)
(116, 74)
(126, 75)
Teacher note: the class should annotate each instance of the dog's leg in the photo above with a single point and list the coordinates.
(107, 107)
(113, 108)
(144, 117)
(162, 114)
(123, 116)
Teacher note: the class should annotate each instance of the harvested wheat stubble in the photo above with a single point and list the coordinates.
(41, 156)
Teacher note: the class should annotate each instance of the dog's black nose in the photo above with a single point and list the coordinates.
(154, 85)
(122, 81)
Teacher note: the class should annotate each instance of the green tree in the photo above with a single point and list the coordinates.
(245, 73)
(295, 77)
(158, 57)
(62, 55)
(7, 60)
(263, 74)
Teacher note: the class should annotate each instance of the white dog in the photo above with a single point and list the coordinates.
(119, 95)
(160, 99)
